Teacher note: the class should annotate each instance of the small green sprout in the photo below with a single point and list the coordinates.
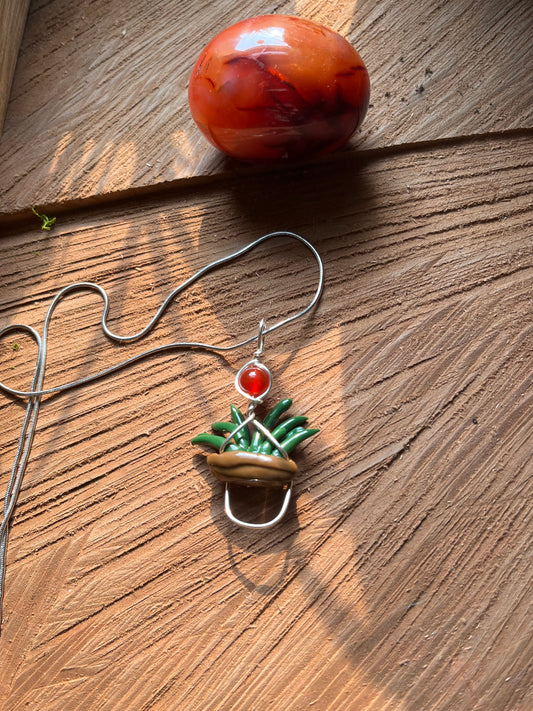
(15, 347)
(46, 222)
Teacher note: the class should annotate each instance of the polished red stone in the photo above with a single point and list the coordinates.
(275, 87)
(254, 380)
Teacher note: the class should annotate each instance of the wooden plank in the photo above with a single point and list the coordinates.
(402, 574)
(12, 20)
(99, 102)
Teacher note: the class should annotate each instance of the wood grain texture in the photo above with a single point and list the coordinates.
(99, 102)
(12, 20)
(401, 577)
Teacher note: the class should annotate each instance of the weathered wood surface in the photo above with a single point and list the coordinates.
(401, 577)
(99, 100)
(12, 20)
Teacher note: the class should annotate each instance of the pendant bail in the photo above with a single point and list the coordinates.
(260, 339)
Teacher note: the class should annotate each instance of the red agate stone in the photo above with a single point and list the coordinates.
(275, 87)
(254, 380)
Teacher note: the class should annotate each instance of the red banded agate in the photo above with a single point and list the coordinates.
(276, 86)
